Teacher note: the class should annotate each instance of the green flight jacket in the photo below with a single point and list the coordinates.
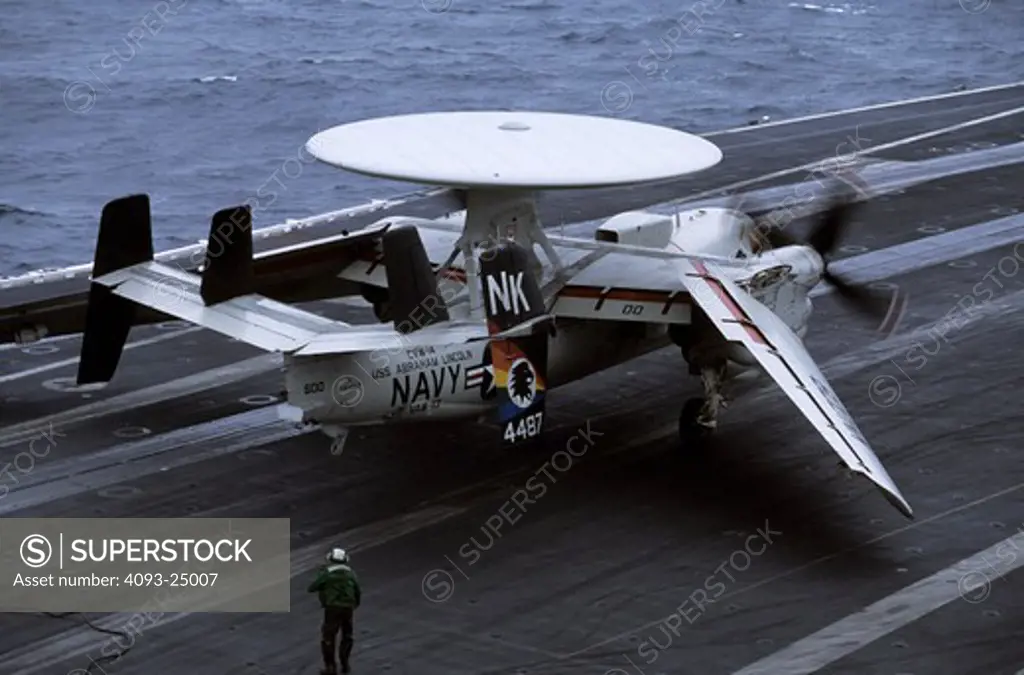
(337, 585)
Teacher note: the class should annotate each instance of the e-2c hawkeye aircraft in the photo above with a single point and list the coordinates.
(476, 323)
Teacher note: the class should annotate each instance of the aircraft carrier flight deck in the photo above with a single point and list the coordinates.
(594, 576)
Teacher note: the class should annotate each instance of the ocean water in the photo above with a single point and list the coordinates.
(202, 102)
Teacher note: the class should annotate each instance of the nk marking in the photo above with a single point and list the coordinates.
(426, 385)
(508, 292)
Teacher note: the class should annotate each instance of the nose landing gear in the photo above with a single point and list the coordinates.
(699, 416)
(706, 354)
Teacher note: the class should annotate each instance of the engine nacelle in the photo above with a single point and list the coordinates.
(713, 231)
(706, 231)
(782, 280)
(637, 228)
(802, 263)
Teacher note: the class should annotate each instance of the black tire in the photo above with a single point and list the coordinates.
(691, 433)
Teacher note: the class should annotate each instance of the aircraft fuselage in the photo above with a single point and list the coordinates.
(448, 382)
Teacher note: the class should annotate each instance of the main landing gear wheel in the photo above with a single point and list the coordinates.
(691, 431)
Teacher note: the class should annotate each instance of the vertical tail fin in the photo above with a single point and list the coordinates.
(519, 326)
(125, 239)
(228, 269)
(412, 284)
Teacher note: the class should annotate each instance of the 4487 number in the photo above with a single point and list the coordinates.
(527, 427)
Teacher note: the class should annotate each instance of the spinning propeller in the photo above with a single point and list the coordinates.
(885, 307)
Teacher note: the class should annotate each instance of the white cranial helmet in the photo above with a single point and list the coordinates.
(337, 555)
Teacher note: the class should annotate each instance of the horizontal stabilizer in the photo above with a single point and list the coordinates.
(253, 319)
(125, 276)
(383, 339)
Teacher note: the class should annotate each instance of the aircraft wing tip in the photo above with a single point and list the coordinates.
(888, 488)
(901, 504)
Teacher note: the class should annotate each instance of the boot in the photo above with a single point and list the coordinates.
(327, 652)
(344, 652)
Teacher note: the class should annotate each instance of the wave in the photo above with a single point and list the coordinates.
(331, 58)
(597, 34)
(828, 9)
(206, 79)
(12, 210)
(527, 6)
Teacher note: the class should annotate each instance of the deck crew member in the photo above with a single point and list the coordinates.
(339, 592)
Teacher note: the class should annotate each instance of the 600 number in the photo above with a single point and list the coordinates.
(312, 388)
(528, 427)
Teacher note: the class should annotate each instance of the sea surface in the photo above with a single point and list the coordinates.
(202, 102)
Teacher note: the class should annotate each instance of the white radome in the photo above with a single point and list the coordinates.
(527, 150)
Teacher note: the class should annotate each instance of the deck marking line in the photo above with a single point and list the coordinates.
(68, 362)
(207, 379)
(970, 579)
(868, 108)
(848, 158)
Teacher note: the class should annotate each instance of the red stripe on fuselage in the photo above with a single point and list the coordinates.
(594, 293)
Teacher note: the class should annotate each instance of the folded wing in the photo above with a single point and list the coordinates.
(742, 319)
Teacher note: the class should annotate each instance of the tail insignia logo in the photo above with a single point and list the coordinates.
(522, 383)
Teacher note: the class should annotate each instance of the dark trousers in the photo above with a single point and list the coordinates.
(336, 619)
